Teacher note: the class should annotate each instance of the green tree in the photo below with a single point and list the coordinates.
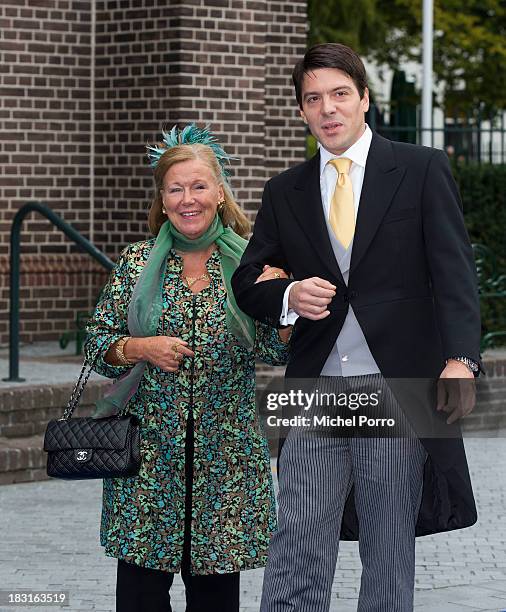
(469, 49)
(355, 23)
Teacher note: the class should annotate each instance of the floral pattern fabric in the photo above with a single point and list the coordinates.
(233, 513)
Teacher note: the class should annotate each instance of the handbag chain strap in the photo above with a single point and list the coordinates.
(75, 396)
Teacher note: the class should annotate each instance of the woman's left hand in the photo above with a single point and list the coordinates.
(271, 273)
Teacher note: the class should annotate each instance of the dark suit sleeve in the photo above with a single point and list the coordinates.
(451, 262)
(264, 300)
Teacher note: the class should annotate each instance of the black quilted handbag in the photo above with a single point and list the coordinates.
(84, 447)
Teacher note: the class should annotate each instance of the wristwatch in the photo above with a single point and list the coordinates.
(470, 363)
(119, 351)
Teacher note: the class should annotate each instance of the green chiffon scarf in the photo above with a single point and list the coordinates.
(145, 307)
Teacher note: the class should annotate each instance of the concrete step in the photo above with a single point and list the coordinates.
(22, 459)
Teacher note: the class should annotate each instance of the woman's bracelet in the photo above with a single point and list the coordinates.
(119, 351)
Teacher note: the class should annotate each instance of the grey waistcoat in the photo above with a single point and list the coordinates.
(350, 355)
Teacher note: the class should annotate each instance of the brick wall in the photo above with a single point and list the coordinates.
(132, 86)
(44, 152)
(226, 62)
(84, 91)
(286, 43)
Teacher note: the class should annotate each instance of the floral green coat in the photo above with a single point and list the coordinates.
(233, 514)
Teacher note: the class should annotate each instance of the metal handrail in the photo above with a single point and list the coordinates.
(71, 233)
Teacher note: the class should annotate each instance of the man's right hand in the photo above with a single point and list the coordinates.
(310, 297)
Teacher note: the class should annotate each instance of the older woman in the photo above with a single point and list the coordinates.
(167, 325)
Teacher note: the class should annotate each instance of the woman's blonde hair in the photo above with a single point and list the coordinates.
(230, 213)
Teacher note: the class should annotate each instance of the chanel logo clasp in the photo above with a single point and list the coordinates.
(82, 455)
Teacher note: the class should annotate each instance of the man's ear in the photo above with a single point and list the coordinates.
(303, 116)
(365, 100)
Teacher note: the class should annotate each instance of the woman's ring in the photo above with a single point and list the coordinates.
(177, 354)
(277, 275)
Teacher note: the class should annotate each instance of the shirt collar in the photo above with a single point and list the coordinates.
(357, 152)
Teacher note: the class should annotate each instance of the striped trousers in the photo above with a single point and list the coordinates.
(316, 475)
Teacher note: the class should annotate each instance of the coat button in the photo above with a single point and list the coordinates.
(352, 294)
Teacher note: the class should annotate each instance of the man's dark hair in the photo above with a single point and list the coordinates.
(330, 55)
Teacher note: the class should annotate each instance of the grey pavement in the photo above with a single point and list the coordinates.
(50, 542)
(43, 363)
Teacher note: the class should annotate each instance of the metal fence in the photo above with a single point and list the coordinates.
(466, 138)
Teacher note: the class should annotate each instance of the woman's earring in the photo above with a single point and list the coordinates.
(163, 210)
(221, 205)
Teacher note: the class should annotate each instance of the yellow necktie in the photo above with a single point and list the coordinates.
(342, 209)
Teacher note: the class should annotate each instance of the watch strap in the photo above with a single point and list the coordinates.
(472, 365)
